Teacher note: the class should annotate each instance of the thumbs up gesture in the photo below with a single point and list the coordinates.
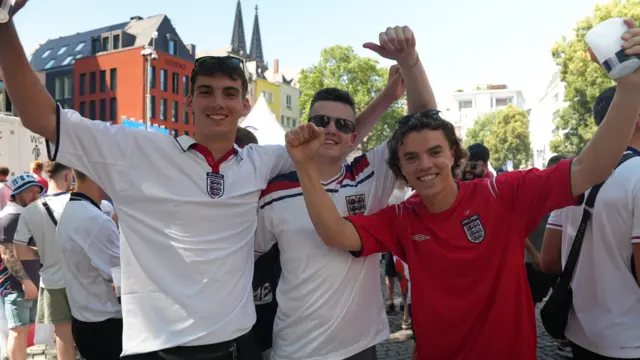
(396, 43)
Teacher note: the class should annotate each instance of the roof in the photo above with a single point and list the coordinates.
(63, 51)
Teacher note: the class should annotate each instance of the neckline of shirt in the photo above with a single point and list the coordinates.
(78, 196)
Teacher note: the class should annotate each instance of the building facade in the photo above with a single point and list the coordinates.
(541, 124)
(470, 105)
(103, 74)
(271, 93)
(6, 106)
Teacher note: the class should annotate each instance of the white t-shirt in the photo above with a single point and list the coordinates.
(106, 208)
(187, 235)
(330, 303)
(605, 318)
(35, 223)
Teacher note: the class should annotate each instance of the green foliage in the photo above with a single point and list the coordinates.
(506, 134)
(583, 79)
(340, 67)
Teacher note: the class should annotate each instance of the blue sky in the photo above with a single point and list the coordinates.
(461, 42)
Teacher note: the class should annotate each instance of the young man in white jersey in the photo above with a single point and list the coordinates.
(605, 320)
(187, 233)
(38, 223)
(90, 244)
(330, 304)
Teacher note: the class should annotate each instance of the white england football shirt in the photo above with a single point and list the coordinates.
(187, 233)
(330, 303)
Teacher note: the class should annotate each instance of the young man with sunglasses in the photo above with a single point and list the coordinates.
(463, 241)
(187, 235)
(330, 304)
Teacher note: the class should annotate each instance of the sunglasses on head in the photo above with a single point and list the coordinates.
(342, 125)
(416, 118)
(229, 60)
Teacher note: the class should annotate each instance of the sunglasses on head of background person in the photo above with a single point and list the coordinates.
(229, 60)
(342, 125)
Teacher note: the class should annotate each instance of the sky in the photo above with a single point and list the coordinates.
(462, 43)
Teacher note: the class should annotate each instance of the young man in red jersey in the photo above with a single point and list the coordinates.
(463, 241)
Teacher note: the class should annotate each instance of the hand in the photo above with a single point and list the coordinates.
(395, 85)
(303, 143)
(397, 43)
(632, 47)
(30, 290)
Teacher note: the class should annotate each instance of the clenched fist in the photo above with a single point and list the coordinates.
(303, 143)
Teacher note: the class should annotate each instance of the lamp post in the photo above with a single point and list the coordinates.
(149, 53)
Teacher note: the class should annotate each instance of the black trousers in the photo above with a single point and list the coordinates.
(98, 340)
(580, 353)
(241, 348)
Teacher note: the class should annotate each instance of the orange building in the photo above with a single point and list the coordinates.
(103, 73)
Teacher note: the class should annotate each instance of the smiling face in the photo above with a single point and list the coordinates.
(28, 195)
(217, 103)
(337, 140)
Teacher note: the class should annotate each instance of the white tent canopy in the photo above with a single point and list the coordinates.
(263, 123)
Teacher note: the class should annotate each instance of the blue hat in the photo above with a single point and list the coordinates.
(23, 181)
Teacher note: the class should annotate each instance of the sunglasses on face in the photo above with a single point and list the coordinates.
(473, 166)
(342, 125)
(416, 118)
(229, 60)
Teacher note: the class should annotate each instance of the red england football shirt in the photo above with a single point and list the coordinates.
(469, 289)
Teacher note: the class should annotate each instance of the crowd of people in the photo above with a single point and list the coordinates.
(227, 249)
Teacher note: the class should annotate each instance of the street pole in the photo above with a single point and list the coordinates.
(147, 91)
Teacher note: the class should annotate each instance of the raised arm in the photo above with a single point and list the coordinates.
(598, 159)
(32, 100)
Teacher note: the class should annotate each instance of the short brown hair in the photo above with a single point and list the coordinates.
(52, 168)
(79, 175)
(4, 171)
(245, 137)
(37, 165)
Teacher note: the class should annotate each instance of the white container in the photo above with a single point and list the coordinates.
(605, 40)
(116, 274)
(5, 10)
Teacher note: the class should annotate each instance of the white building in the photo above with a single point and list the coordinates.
(541, 121)
(470, 105)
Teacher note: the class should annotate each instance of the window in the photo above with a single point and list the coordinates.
(83, 84)
(68, 87)
(59, 90)
(92, 82)
(116, 41)
(95, 45)
(465, 104)
(173, 47)
(103, 80)
(175, 83)
(50, 64)
(103, 109)
(113, 109)
(78, 56)
(289, 101)
(62, 50)
(163, 79)
(83, 108)
(152, 107)
(152, 77)
(174, 132)
(185, 116)
(92, 109)
(282, 120)
(163, 109)
(79, 47)
(185, 85)
(185, 132)
(174, 111)
(105, 44)
(46, 53)
(113, 79)
(502, 102)
(67, 60)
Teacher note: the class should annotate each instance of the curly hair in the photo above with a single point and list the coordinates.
(426, 120)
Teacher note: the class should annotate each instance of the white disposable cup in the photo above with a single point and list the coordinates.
(605, 40)
(5, 9)
(117, 279)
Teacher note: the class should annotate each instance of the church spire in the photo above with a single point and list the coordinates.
(255, 51)
(238, 43)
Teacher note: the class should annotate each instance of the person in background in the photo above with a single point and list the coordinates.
(245, 137)
(37, 167)
(477, 164)
(38, 223)
(18, 278)
(5, 190)
(391, 274)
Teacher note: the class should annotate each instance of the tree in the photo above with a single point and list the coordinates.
(506, 134)
(340, 67)
(583, 79)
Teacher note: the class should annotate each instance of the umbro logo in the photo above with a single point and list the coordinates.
(420, 237)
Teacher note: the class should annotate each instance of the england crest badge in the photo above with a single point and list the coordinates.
(356, 204)
(473, 229)
(215, 185)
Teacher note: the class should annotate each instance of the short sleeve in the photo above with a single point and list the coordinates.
(531, 194)
(384, 180)
(8, 227)
(270, 160)
(555, 220)
(23, 234)
(95, 148)
(264, 237)
(378, 231)
(104, 248)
